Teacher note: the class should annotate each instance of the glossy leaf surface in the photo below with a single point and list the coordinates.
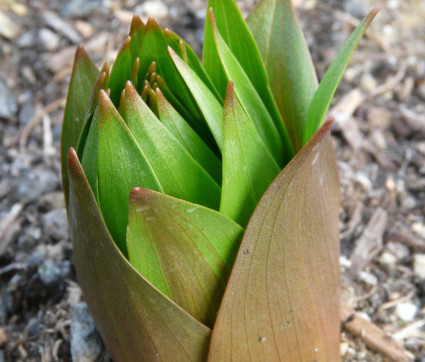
(207, 102)
(323, 96)
(284, 287)
(136, 321)
(272, 134)
(176, 170)
(122, 167)
(121, 71)
(288, 62)
(83, 78)
(248, 167)
(184, 249)
(154, 49)
(235, 32)
(180, 129)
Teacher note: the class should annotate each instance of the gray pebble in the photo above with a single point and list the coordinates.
(37, 183)
(26, 111)
(86, 344)
(26, 40)
(355, 8)
(49, 40)
(80, 8)
(8, 104)
(55, 224)
(51, 272)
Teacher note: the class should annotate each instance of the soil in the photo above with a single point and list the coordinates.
(378, 136)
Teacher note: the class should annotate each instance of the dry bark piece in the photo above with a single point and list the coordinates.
(374, 337)
(370, 242)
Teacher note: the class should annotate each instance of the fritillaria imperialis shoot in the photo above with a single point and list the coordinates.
(203, 198)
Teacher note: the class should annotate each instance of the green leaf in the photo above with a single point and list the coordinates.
(248, 167)
(288, 62)
(282, 299)
(121, 71)
(323, 96)
(136, 321)
(101, 83)
(154, 49)
(207, 102)
(193, 62)
(273, 137)
(181, 130)
(136, 32)
(83, 78)
(89, 157)
(235, 32)
(122, 167)
(185, 250)
(178, 173)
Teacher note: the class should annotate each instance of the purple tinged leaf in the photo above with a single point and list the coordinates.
(282, 298)
(83, 78)
(136, 321)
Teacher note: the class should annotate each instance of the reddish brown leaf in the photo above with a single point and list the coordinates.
(282, 299)
(136, 321)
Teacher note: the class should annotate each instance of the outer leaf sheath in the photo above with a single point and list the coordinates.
(284, 286)
(136, 321)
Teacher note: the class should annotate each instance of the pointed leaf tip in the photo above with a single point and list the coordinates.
(73, 163)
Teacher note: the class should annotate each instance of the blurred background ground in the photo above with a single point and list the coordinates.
(379, 140)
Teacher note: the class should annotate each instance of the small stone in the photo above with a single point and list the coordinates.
(27, 109)
(57, 23)
(86, 344)
(355, 8)
(388, 258)
(9, 29)
(343, 348)
(406, 311)
(55, 224)
(419, 265)
(52, 200)
(155, 9)
(368, 278)
(418, 228)
(51, 272)
(85, 29)
(408, 203)
(26, 40)
(398, 249)
(379, 117)
(49, 39)
(36, 183)
(8, 105)
(81, 8)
